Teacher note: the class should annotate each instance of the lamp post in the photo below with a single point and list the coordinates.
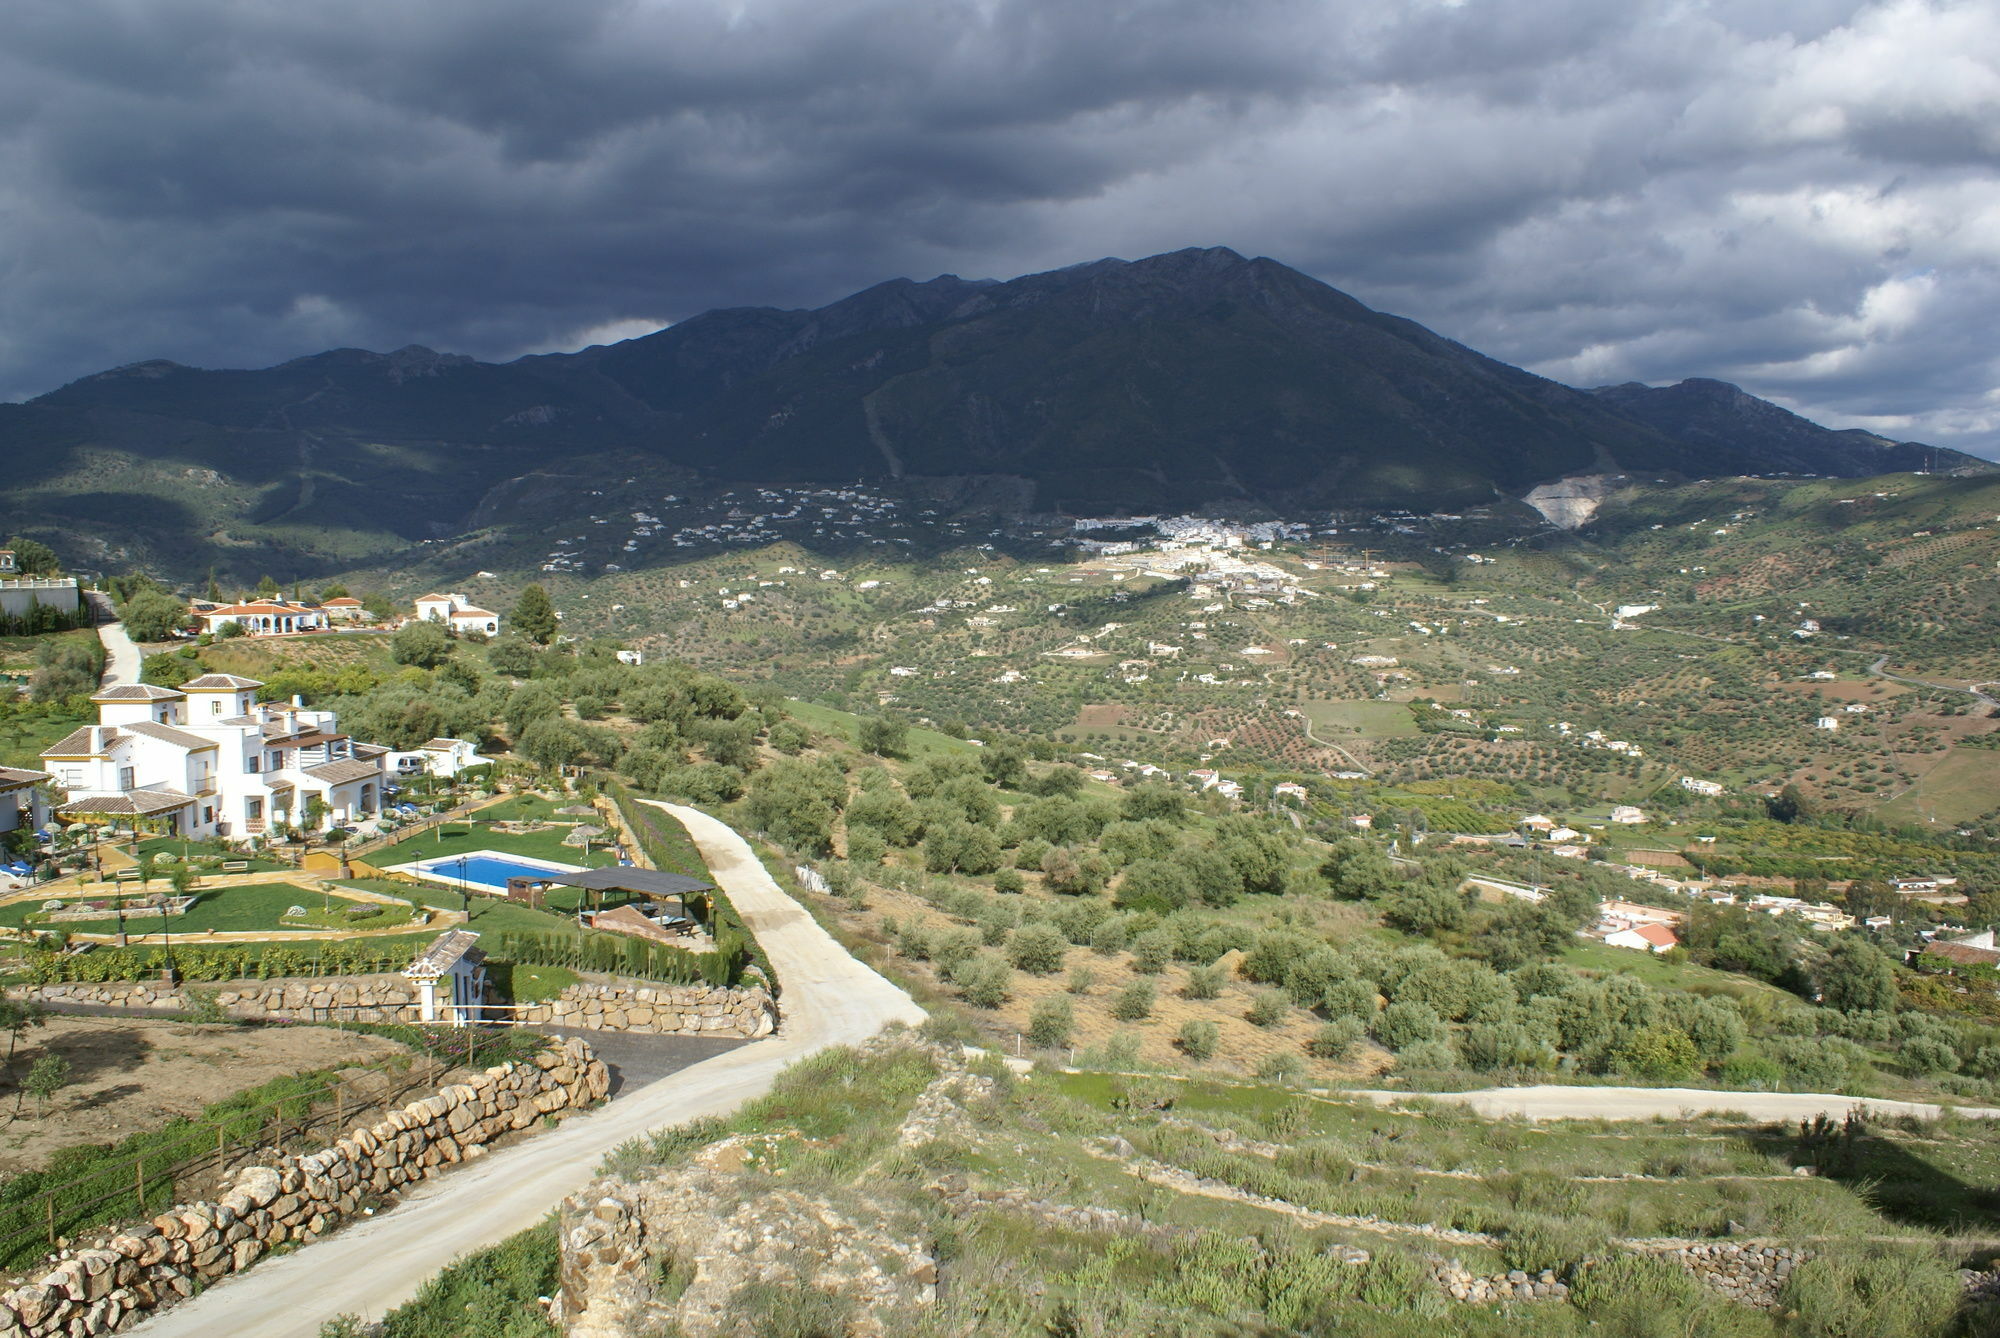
(464, 892)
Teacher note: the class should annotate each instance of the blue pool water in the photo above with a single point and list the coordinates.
(488, 871)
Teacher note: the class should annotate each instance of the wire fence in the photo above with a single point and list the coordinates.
(81, 1191)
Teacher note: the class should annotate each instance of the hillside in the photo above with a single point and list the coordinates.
(1188, 379)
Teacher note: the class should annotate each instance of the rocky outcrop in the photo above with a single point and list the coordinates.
(676, 1253)
(138, 1269)
(691, 1249)
(374, 998)
(658, 1010)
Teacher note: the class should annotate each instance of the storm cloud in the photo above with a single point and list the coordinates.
(1797, 195)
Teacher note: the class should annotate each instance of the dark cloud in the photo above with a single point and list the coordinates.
(1798, 195)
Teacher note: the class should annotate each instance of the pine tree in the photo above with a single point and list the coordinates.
(534, 616)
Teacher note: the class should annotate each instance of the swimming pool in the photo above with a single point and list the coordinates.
(486, 870)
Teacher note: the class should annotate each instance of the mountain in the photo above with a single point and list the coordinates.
(1177, 381)
(1714, 415)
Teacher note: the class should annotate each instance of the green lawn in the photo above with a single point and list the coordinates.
(175, 846)
(527, 808)
(465, 838)
(252, 906)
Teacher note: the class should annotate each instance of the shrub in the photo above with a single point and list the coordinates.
(1750, 1072)
(1081, 980)
(1644, 1298)
(982, 979)
(1657, 1054)
(1008, 881)
(1436, 1056)
(1268, 1008)
(1926, 1055)
(1336, 1039)
(1133, 1002)
(1151, 951)
(1533, 1243)
(1405, 1024)
(1204, 982)
(1109, 936)
(1050, 1023)
(1197, 1040)
(1037, 949)
(1873, 1289)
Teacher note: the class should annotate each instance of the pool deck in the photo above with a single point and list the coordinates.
(432, 870)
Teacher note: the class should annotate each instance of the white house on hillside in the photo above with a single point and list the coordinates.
(208, 760)
(265, 617)
(459, 613)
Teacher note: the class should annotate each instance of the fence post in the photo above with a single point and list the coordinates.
(221, 1148)
(139, 1169)
(339, 1107)
(49, 1202)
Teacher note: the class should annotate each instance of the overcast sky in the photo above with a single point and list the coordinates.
(1796, 195)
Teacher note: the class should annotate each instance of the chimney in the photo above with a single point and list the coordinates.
(298, 702)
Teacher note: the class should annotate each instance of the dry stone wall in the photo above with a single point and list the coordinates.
(139, 1269)
(375, 998)
(658, 1010)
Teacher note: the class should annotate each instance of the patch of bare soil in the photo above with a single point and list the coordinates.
(131, 1074)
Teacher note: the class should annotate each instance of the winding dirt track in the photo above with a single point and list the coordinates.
(375, 1265)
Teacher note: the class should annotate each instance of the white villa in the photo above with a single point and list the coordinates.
(262, 617)
(457, 612)
(208, 760)
(442, 758)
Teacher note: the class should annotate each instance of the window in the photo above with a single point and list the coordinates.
(253, 808)
(215, 706)
(252, 764)
(125, 779)
(208, 813)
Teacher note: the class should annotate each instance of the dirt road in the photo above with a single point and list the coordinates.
(375, 1265)
(121, 655)
(1645, 1103)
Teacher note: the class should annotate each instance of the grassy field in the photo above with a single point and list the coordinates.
(1959, 789)
(24, 733)
(921, 743)
(1370, 719)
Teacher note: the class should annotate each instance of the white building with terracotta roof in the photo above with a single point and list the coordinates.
(263, 617)
(343, 609)
(207, 759)
(459, 613)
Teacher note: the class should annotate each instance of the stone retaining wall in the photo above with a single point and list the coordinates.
(658, 1010)
(139, 1269)
(1753, 1273)
(375, 998)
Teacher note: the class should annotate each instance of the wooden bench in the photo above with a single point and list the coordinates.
(125, 876)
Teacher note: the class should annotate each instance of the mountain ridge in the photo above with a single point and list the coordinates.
(1189, 378)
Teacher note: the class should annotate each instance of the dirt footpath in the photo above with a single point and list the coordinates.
(129, 1074)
